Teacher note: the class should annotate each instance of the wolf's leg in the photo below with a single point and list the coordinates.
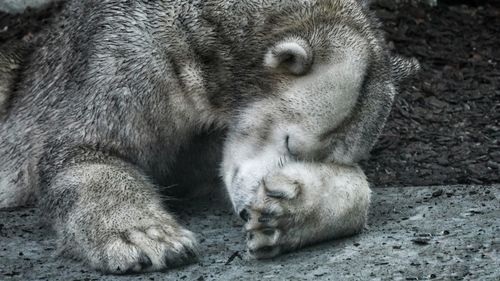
(305, 203)
(109, 215)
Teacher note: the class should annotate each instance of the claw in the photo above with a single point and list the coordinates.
(244, 215)
(269, 231)
(281, 191)
(276, 194)
(265, 252)
(145, 262)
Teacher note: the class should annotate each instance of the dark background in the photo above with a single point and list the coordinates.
(445, 124)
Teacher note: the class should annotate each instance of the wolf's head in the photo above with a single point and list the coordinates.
(327, 62)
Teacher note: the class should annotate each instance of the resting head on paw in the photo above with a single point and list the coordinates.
(332, 89)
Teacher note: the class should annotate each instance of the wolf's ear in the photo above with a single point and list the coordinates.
(403, 68)
(292, 55)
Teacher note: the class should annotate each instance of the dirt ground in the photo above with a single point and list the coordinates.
(445, 124)
(426, 233)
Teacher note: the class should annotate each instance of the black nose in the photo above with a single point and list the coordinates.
(244, 215)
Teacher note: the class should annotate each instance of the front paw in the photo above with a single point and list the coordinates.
(305, 203)
(129, 241)
(151, 248)
(276, 216)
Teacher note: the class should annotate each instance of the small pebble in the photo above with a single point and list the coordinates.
(421, 240)
(437, 193)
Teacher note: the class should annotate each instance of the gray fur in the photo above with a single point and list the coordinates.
(11, 58)
(112, 96)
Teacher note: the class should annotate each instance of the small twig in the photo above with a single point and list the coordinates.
(233, 256)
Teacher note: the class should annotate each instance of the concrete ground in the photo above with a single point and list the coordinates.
(421, 233)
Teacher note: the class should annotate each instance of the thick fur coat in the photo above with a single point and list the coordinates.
(284, 96)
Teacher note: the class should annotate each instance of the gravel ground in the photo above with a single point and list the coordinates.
(440, 233)
(445, 124)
